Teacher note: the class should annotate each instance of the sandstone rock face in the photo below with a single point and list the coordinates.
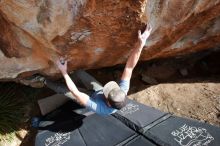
(99, 33)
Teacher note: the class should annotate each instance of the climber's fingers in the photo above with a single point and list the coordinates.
(139, 34)
(149, 27)
(147, 30)
(62, 61)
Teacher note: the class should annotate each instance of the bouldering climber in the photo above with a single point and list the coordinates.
(104, 100)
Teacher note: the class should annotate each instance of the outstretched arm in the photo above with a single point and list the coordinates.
(135, 53)
(81, 97)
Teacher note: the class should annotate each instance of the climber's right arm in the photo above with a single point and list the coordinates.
(135, 53)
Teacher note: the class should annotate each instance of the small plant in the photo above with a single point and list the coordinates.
(11, 110)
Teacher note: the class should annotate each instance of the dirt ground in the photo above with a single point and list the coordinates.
(200, 100)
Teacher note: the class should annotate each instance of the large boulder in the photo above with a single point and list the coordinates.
(99, 33)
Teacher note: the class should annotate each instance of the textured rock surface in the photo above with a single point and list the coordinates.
(98, 33)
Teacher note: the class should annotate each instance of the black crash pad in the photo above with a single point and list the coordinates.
(71, 126)
(176, 131)
(137, 116)
(139, 141)
(93, 130)
(104, 130)
(49, 138)
(65, 113)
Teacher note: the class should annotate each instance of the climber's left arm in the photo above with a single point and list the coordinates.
(81, 97)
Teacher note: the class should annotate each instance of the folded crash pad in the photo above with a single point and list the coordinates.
(68, 111)
(184, 132)
(50, 103)
(137, 116)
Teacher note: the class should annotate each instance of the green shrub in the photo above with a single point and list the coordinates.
(12, 110)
